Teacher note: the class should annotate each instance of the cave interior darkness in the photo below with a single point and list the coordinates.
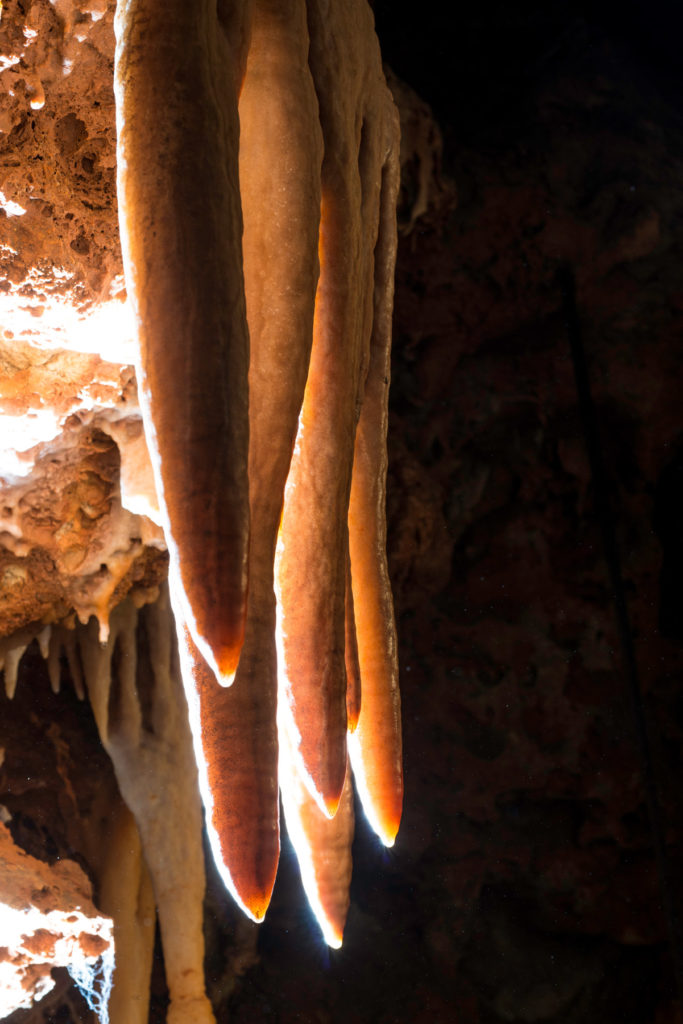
(524, 885)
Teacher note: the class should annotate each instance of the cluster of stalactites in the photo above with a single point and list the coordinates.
(257, 212)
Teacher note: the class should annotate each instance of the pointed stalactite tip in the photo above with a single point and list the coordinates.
(331, 805)
(256, 905)
(387, 829)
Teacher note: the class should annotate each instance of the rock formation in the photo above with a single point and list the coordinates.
(256, 200)
(522, 886)
(47, 919)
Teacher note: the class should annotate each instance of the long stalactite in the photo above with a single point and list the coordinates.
(312, 172)
(257, 178)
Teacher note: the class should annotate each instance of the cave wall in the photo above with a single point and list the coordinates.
(523, 885)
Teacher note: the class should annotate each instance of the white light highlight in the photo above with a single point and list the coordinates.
(19, 435)
(49, 322)
(192, 697)
(295, 831)
(27, 332)
(140, 504)
(11, 208)
(64, 930)
(366, 798)
(286, 722)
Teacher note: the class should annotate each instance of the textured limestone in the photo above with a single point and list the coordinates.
(65, 349)
(47, 919)
(57, 155)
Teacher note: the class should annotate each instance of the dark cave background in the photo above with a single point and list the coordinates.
(523, 886)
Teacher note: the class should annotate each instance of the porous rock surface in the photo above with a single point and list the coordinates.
(58, 153)
(66, 384)
(48, 920)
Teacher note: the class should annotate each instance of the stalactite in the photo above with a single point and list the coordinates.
(313, 176)
(178, 71)
(354, 107)
(322, 845)
(137, 699)
(351, 663)
(375, 745)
